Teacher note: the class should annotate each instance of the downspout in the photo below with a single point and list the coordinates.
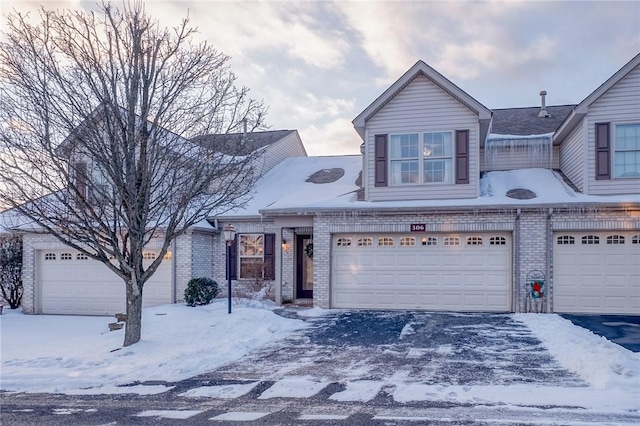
(549, 259)
(173, 271)
(279, 275)
(516, 255)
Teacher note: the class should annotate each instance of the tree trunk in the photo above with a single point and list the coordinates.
(133, 327)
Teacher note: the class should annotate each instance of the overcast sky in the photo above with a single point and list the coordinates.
(319, 64)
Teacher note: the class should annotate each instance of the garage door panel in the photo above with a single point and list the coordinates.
(596, 278)
(87, 287)
(435, 277)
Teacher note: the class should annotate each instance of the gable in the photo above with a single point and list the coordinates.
(421, 69)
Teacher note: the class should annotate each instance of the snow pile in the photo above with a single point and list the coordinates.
(546, 184)
(70, 354)
(599, 362)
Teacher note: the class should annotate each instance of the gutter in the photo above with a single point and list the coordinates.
(622, 206)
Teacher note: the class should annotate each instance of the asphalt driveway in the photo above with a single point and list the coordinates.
(425, 347)
(621, 329)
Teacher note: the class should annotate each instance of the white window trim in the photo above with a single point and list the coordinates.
(613, 150)
(421, 158)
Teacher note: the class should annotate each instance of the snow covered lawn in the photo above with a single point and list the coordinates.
(72, 354)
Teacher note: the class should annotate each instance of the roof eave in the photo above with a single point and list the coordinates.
(583, 106)
(480, 207)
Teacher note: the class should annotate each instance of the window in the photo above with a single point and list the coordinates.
(627, 151)
(407, 241)
(429, 241)
(615, 239)
(566, 240)
(418, 160)
(50, 256)
(497, 241)
(437, 151)
(251, 255)
(66, 256)
(365, 242)
(385, 242)
(635, 239)
(81, 256)
(451, 241)
(344, 242)
(168, 256)
(474, 241)
(148, 255)
(405, 159)
(590, 239)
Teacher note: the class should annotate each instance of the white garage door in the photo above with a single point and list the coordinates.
(71, 284)
(450, 272)
(596, 272)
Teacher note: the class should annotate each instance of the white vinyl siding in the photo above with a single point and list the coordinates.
(619, 105)
(289, 146)
(507, 159)
(572, 157)
(422, 107)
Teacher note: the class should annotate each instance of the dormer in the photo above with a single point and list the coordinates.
(421, 139)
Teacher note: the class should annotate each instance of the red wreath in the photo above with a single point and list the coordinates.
(537, 289)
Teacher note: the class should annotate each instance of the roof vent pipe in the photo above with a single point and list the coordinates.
(244, 129)
(543, 110)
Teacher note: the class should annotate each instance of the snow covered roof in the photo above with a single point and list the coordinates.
(286, 185)
(284, 190)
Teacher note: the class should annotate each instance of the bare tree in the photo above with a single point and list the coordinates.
(103, 117)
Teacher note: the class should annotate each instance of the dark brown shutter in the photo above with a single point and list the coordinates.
(462, 156)
(269, 256)
(80, 173)
(603, 152)
(381, 160)
(233, 260)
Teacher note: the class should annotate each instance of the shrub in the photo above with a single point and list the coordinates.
(200, 291)
(11, 270)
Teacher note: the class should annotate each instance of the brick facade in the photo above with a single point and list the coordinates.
(531, 231)
(203, 254)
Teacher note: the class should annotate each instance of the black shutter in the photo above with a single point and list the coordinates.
(80, 173)
(381, 160)
(462, 156)
(233, 260)
(603, 151)
(269, 256)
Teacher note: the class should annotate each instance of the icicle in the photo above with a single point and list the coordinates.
(537, 147)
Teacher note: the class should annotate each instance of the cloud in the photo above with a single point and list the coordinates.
(334, 137)
(288, 30)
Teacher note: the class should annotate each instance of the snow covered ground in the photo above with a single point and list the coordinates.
(71, 354)
(77, 355)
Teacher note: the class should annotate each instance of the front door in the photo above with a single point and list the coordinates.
(304, 266)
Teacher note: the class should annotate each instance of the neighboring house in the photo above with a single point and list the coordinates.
(60, 280)
(459, 207)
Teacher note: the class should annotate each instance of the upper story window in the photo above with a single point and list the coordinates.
(405, 159)
(627, 150)
(418, 158)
